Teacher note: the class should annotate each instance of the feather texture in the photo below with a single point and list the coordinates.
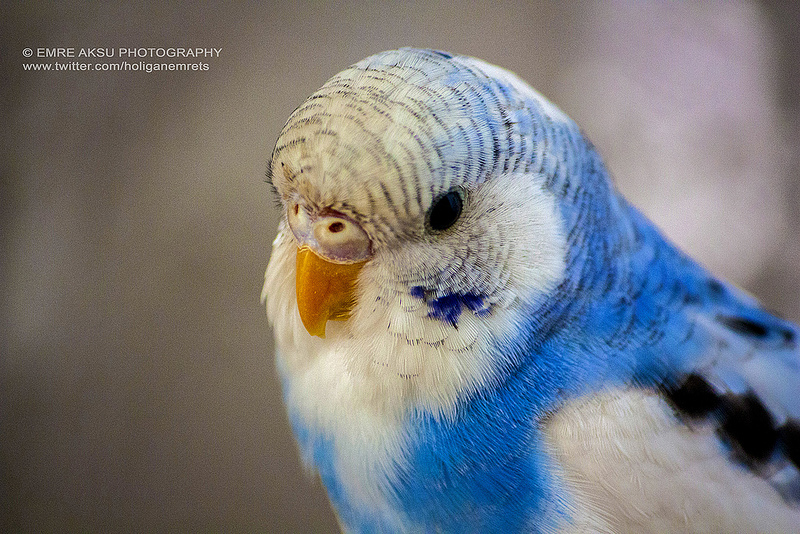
(548, 362)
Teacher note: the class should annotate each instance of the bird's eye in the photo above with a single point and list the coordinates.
(445, 211)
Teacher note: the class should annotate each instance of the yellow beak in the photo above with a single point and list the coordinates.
(325, 290)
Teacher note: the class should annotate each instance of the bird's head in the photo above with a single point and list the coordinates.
(421, 206)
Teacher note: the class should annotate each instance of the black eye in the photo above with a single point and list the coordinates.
(445, 211)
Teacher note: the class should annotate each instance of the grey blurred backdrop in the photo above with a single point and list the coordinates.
(137, 384)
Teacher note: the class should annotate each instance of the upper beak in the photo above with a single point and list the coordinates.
(325, 290)
(332, 249)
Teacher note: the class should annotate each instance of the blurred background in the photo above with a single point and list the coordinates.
(137, 383)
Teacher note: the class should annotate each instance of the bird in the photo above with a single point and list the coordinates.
(475, 331)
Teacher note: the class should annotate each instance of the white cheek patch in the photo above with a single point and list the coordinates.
(416, 362)
(627, 459)
(520, 222)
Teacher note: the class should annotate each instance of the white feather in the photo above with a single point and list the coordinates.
(631, 463)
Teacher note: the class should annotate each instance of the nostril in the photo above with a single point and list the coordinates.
(338, 238)
(296, 209)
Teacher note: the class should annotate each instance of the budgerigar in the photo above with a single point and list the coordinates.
(477, 333)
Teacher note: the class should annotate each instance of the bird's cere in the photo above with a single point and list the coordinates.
(333, 236)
